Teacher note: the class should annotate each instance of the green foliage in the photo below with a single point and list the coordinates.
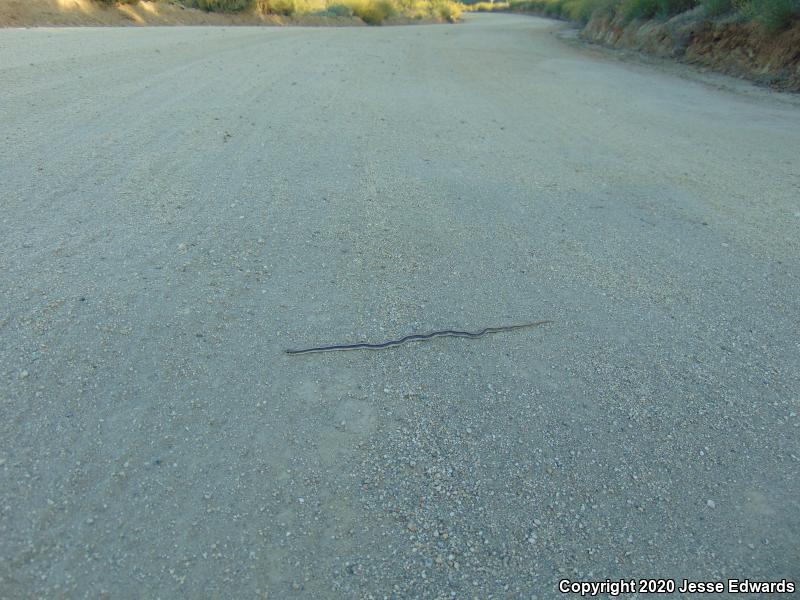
(220, 5)
(579, 10)
(373, 12)
(670, 8)
(536, 6)
(336, 10)
(638, 9)
(583, 10)
(556, 8)
(715, 8)
(773, 15)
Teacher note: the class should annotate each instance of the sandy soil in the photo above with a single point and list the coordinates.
(180, 205)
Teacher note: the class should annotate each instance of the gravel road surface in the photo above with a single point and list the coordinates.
(180, 205)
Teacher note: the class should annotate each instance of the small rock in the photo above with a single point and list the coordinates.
(711, 504)
(23, 374)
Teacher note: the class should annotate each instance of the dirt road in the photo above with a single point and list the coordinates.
(182, 205)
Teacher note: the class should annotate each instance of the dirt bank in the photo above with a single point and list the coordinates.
(38, 13)
(740, 49)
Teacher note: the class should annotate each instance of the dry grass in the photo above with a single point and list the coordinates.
(31, 13)
(485, 6)
(372, 12)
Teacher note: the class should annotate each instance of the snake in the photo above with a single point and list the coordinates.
(417, 337)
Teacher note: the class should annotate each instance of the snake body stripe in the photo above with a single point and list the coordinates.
(416, 337)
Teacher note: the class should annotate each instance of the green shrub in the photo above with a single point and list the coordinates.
(550, 8)
(648, 9)
(376, 12)
(579, 10)
(717, 7)
(336, 10)
(583, 10)
(637, 9)
(556, 9)
(220, 5)
(773, 15)
(605, 7)
(674, 7)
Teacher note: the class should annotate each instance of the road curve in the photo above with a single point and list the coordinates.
(180, 205)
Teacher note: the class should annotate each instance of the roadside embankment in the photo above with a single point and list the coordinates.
(59, 13)
(753, 39)
(742, 49)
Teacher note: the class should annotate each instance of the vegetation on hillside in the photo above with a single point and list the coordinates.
(373, 12)
(773, 15)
